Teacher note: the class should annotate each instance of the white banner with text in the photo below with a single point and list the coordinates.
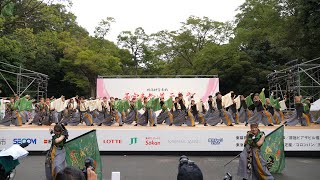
(134, 87)
(162, 140)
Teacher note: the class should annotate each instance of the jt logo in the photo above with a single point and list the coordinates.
(3, 141)
(133, 141)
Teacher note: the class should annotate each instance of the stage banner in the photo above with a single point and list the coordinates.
(153, 139)
(130, 87)
(39, 139)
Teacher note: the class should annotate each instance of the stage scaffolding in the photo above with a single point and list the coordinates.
(300, 78)
(26, 81)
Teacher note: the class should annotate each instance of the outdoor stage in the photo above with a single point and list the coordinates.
(162, 138)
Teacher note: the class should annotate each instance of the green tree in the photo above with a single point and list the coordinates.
(29, 38)
(104, 27)
(302, 27)
(180, 47)
(135, 42)
(83, 61)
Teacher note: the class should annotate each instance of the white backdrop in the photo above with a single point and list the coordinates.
(163, 140)
(315, 106)
(203, 87)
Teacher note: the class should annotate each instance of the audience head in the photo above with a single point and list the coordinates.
(70, 173)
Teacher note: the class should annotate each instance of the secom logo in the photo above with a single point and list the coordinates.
(24, 140)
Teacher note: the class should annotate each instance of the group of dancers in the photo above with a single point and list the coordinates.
(229, 110)
(141, 111)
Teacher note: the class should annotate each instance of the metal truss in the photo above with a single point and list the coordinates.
(26, 81)
(300, 78)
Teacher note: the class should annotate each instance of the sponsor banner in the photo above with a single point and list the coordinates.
(294, 140)
(302, 140)
(25, 140)
(162, 140)
(119, 87)
(112, 141)
(39, 139)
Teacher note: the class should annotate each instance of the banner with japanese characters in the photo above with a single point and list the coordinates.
(169, 139)
(166, 87)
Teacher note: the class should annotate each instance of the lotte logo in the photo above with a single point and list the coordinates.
(112, 141)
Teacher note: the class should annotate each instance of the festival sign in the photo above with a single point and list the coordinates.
(166, 87)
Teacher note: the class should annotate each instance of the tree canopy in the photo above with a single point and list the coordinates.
(44, 36)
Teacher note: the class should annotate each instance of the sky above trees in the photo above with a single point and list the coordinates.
(153, 16)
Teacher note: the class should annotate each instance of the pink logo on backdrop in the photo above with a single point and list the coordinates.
(101, 90)
(212, 87)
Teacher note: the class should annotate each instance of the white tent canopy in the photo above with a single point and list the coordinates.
(315, 106)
